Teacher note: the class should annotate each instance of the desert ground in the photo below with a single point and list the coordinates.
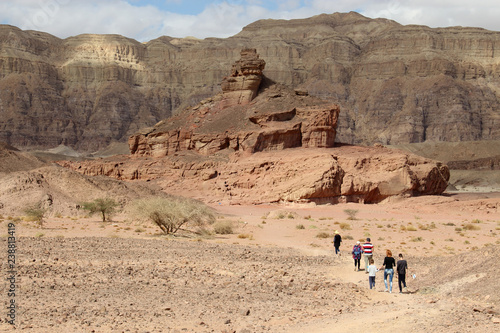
(276, 272)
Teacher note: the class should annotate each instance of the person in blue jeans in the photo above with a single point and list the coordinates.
(388, 266)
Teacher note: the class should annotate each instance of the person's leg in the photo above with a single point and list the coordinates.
(336, 250)
(386, 272)
(403, 279)
(400, 281)
(366, 262)
(372, 281)
(391, 275)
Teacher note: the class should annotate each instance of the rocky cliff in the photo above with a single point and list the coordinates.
(340, 174)
(394, 83)
(244, 118)
(253, 144)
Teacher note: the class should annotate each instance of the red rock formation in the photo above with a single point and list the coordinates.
(242, 86)
(340, 174)
(278, 147)
(276, 119)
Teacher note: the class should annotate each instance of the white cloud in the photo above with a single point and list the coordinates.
(65, 18)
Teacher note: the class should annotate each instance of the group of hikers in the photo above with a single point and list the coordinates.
(366, 250)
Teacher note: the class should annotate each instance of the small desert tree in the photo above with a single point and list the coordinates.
(172, 213)
(105, 206)
(351, 213)
(35, 214)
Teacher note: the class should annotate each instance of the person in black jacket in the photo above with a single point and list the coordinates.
(388, 266)
(402, 268)
(337, 239)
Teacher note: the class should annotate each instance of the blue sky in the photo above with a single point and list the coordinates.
(144, 20)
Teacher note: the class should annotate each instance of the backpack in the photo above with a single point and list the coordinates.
(357, 251)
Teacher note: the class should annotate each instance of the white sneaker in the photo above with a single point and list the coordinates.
(386, 290)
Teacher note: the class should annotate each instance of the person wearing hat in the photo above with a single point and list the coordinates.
(337, 239)
(356, 255)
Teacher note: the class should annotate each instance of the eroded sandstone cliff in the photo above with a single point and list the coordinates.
(394, 83)
(243, 118)
(276, 147)
(340, 174)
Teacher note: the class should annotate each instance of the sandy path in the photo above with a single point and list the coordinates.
(383, 312)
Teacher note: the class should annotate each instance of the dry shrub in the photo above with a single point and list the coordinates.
(171, 214)
(345, 226)
(300, 226)
(470, 226)
(411, 228)
(223, 227)
(282, 214)
(323, 235)
(245, 236)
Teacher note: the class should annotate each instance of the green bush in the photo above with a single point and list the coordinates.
(104, 206)
(35, 214)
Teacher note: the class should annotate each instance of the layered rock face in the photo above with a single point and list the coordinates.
(395, 84)
(340, 174)
(277, 148)
(242, 86)
(243, 119)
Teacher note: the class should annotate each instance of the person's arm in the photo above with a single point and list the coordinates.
(382, 265)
